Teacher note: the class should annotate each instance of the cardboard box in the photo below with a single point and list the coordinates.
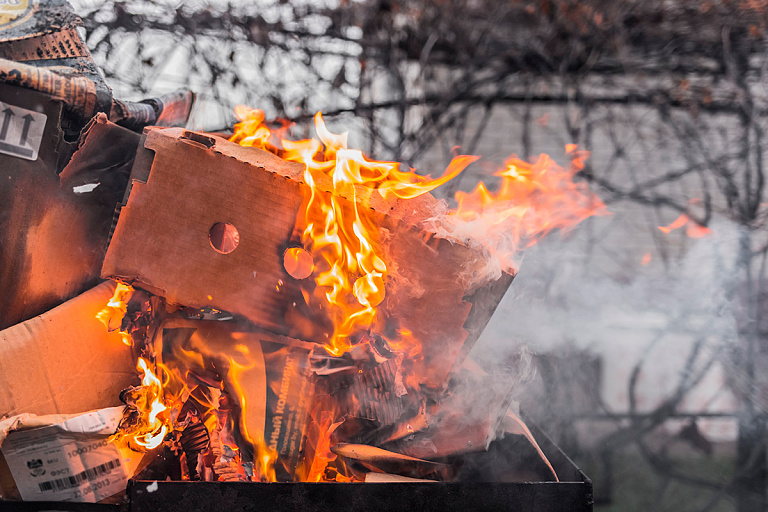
(184, 182)
(64, 361)
(53, 231)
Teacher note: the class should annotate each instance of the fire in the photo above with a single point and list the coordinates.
(150, 420)
(342, 251)
(692, 228)
(251, 130)
(157, 428)
(115, 310)
(349, 268)
(532, 199)
(148, 430)
(264, 458)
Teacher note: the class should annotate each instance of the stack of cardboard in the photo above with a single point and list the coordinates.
(64, 165)
(115, 204)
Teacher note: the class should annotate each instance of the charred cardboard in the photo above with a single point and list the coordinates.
(41, 49)
(64, 361)
(184, 182)
(28, 19)
(52, 234)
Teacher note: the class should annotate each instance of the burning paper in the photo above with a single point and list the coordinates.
(267, 375)
(386, 285)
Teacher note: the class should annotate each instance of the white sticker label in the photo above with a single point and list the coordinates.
(21, 131)
(71, 461)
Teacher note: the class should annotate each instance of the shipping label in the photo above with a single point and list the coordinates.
(70, 461)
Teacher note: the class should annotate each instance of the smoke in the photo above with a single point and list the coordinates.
(580, 299)
(532, 199)
(496, 244)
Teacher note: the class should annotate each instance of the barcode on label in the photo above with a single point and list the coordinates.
(69, 482)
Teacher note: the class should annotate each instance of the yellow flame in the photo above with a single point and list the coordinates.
(532, 199)
(115, 310)
(264, 457)
(349, 270)
(153, 422)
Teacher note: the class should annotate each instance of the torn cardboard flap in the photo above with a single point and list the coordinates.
(66, 458)
(64, 361)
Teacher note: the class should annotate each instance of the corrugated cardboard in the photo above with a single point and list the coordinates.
(52, 235)
(64, 361)
(183, 183)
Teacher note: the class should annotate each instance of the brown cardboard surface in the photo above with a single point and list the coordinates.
(194, 181)
(64, 361)
(52, 239)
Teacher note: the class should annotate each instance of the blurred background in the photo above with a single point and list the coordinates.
(644, 331)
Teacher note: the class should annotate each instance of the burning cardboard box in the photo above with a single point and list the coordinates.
(311, 241)
(300, 313)
(186, 186)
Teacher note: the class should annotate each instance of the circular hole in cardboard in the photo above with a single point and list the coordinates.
(224, 237)
(298, 263)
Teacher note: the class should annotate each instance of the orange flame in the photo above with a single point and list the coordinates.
(264, 457)
(153, 423)
(346, 259)
(692, 228)
(349, 269)
(251, 130)
(532, 200)
(319, 439)
(115, 310)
